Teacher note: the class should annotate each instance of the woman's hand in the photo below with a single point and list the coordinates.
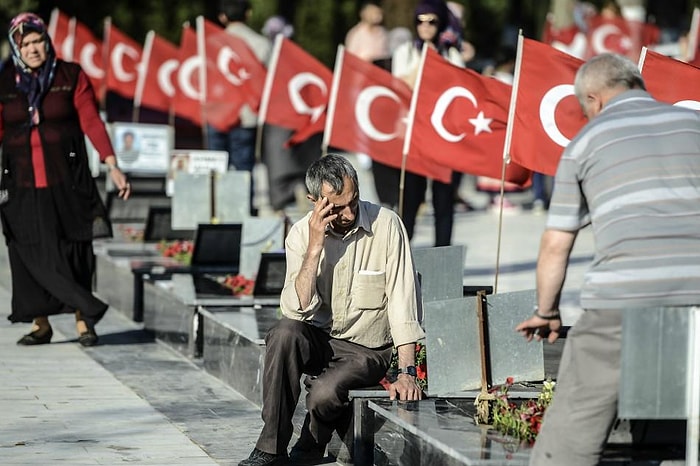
(121, 182)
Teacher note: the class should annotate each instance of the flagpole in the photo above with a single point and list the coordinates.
(409, 125)
(267, 90)
(201, 53)
(106, 38)
(141, 80)
(642, 59)
(333, 98)
(53, 23)
(506, 151)
(693, 35)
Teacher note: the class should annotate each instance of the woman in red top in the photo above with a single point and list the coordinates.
(53, 209)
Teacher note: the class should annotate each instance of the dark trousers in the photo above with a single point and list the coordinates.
(333, 368)
(443, 206)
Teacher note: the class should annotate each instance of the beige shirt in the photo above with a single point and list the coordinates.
(366, 288)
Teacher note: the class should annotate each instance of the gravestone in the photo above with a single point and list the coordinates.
(200, 198)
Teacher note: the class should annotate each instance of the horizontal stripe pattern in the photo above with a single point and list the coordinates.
(633, 174)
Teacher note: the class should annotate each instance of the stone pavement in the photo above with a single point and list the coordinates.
(134, 400)
(127, 400)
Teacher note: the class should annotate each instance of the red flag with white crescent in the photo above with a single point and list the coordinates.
(189, 93)
(368, 115)
(667, 80)
(460, 120)
(156, 85)
(124, 55)
(296, 91)
(235, 76)
(546, 112)
(88, 52)
(618, 35)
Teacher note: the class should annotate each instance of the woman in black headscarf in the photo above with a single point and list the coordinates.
(53, 209)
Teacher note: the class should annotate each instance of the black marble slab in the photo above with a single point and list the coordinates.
(439, 431)
(171, 310)
(234, 346)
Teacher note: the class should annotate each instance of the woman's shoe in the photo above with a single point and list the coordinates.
(37, 337)
(88, 338)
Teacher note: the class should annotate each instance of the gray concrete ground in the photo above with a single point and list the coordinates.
(133, 400)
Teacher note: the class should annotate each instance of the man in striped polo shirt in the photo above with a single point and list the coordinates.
(633, 174)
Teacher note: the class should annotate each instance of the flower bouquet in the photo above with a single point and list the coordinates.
(239, 284)
(520, 420)
(179, 250)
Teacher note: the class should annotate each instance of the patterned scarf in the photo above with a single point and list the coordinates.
(34, 83)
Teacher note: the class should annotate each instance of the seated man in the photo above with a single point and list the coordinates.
(350, 294)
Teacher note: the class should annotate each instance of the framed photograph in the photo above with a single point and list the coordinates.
(194, 162)
(142, 148)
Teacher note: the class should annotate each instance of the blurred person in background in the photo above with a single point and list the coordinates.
(239, 140)
(431, 19)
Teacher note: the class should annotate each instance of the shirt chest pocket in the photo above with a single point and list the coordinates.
(368, 291)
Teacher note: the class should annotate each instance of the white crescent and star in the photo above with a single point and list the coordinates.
(227, 55)
(363, 107)
(480, 123)
(602, 32)
(296, 84)
(548, 107)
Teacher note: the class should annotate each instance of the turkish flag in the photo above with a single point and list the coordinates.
(61, 33)
(296, 91)
(460, 120)
(546, 112)
(369, 109)
(88, 52)
(617, 35)
(159, 65)
(235, 76)
(667, 80)
(189, 93)
(124, 57)
(609, 35)
(569, 39)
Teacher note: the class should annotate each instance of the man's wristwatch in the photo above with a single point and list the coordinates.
(410, 370)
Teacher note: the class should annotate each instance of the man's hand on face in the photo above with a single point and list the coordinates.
(321, 218)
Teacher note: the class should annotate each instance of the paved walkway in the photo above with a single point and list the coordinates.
(128, 400)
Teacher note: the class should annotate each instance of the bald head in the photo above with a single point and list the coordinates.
(603, 77)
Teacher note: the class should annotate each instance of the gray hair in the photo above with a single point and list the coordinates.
(331, 169)
(607, 71)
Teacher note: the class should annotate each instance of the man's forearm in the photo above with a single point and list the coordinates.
(407, 355)
(551, 268)
(305, 283)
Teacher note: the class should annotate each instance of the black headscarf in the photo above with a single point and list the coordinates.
(439, 9)
(34, 83)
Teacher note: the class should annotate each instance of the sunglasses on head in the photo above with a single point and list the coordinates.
(433, 21)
